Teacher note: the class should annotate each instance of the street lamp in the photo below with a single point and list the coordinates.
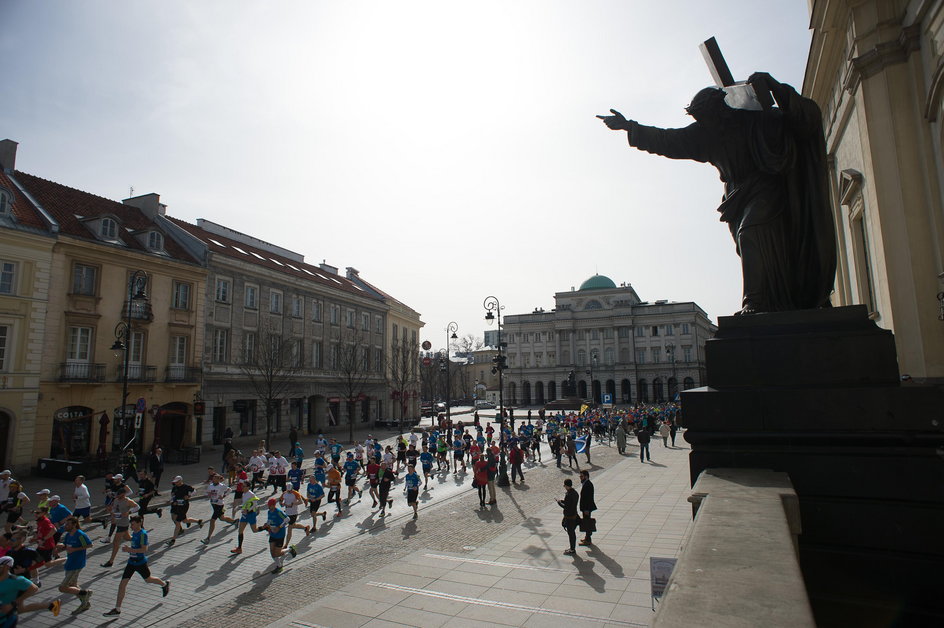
(670, 350)
(453, 328)
(593, 360)
(123, 342)
(492, 312)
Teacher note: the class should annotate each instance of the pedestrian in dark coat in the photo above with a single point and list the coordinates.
(587, 506)
(569, 522)
(156, 467)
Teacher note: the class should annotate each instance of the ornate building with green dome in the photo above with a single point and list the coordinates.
(616, 345)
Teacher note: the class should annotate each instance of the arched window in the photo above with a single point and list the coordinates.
(109, 229)
(642, 391)
(688, 383)
(658, 394)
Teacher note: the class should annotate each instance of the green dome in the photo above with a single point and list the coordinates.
(598, 282)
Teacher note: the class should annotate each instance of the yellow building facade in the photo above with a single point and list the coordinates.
(876, 68)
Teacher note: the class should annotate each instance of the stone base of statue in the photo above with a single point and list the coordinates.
(567, 404)
(817, 394)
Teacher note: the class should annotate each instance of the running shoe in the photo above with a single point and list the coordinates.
(199, 523)
(171, 542)
(236, 550)
(165, 589)
(108, 564)
(205, 541)
(292, 551)
(55, 607)
(113, 612)
(276, 571)
(86, 604)
(160, 513)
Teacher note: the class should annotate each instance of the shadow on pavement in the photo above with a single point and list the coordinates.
(586, 573)
(490, 513)
(611, 565)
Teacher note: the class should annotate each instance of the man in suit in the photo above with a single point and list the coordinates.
(569, 522)
(587, 506)
(156, 467)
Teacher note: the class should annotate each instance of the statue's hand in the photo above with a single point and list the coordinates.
(616, 122)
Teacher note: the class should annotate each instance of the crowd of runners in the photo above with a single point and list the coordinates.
(281, 497)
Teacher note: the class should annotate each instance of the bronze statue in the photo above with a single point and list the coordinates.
(776, 200)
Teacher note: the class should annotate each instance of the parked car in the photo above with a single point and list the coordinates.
(440, 406)
(482, 404)
(427, 409)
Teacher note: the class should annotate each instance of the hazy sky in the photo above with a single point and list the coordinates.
(447, 150)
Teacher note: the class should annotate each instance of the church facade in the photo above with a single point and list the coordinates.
(601, 342)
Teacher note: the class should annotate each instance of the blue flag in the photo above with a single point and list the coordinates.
(581, 444)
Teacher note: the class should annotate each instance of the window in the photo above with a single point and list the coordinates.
(670, 329)
(378, 325)
(378, 359)
(335, 356)
(220, 345)
(581, 357)
(335, 314)
(656, 353)
(4, 334)
(687, 354)
(395, 330)
(640, 356)
(80, 344)
(222, 290)
(84, 279)
(365, 321)
(365, 359)
(351, 318)
(7, 278)
(252, 297)
(581, 334)
(685, 329)
(298, 306)
(594, 334)
(608, 333)
(178, 352)
(655, 330)
(316, 310)
(608, 355)
(275, 302)
(6, 201)
(155, 241)
(249, 347)
(109, 229)
(316, 355)
(298, 354)
(181, 296)
(412, 335)
(640, 332)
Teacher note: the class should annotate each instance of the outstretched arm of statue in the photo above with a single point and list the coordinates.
(616, 121)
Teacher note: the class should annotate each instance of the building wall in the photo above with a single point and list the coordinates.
(876, 69)
(22, 311)
(100, 391)
(633, 342)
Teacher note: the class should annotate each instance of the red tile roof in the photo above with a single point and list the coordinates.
(221, 245)
(68, 206)
(24, 211)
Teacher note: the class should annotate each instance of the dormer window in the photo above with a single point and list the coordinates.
(109, 229)
(6, 202)
(155, 241)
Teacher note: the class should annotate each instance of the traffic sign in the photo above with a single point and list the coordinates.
(427, 345)
(141, 406)
(427, 361)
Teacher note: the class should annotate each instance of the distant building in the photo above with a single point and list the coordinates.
(612, 342)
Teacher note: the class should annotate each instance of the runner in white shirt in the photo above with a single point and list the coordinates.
(215, 492)
(291, 501)
(278, 467)
(257, 465)
(359, 454)
(413, 438)
(83, 500)
(6, 476)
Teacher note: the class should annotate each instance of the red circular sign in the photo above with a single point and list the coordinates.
(427, 361)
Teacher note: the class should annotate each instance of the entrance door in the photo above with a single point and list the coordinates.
(6, 430)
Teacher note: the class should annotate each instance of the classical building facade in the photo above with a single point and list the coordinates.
(601, 339)
(332, 332)
(99, 246)
(876, 68)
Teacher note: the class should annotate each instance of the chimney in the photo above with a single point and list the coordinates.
(150, 204)
(353, 273)
(8, 155)
(328, 268)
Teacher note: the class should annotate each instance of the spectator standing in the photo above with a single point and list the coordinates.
(587, 506)
(569, 522)
(156, 467)
(642, 435)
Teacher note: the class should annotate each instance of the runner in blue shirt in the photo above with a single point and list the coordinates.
(412, 484)
(351, 470)
(75, 542)
(277, 524)
(295, 475)
(137, 563)
(458, 454)
(314, 494)
(335, 448)
(426, 459)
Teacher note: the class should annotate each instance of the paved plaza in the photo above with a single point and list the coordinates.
(456, 564)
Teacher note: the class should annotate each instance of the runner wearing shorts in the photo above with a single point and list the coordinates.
(248, 515)
(75, 543)
(276, 524)
(315, 492)
(412, 482)
(137, 564)
(216, 492)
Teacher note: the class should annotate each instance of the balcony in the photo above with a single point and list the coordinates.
(178, 373)
(140, 311)
(136, 373)
(81, 372)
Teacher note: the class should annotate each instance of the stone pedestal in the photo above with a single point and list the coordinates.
(817, 394)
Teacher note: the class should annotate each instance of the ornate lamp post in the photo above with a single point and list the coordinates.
(451, 330)
(123, 342)
(493, 311)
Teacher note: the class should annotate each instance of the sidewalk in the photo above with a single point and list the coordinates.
(521, 577)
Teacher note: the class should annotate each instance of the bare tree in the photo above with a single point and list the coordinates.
(271, 366)
(403, 375)
(465, 345)
(352, 361)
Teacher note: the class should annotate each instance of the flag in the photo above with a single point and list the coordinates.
(581, 444)
(584, 408)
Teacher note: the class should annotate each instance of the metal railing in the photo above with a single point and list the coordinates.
(81, 372)
(180, 373)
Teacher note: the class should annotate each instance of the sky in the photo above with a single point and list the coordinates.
(447, 150)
